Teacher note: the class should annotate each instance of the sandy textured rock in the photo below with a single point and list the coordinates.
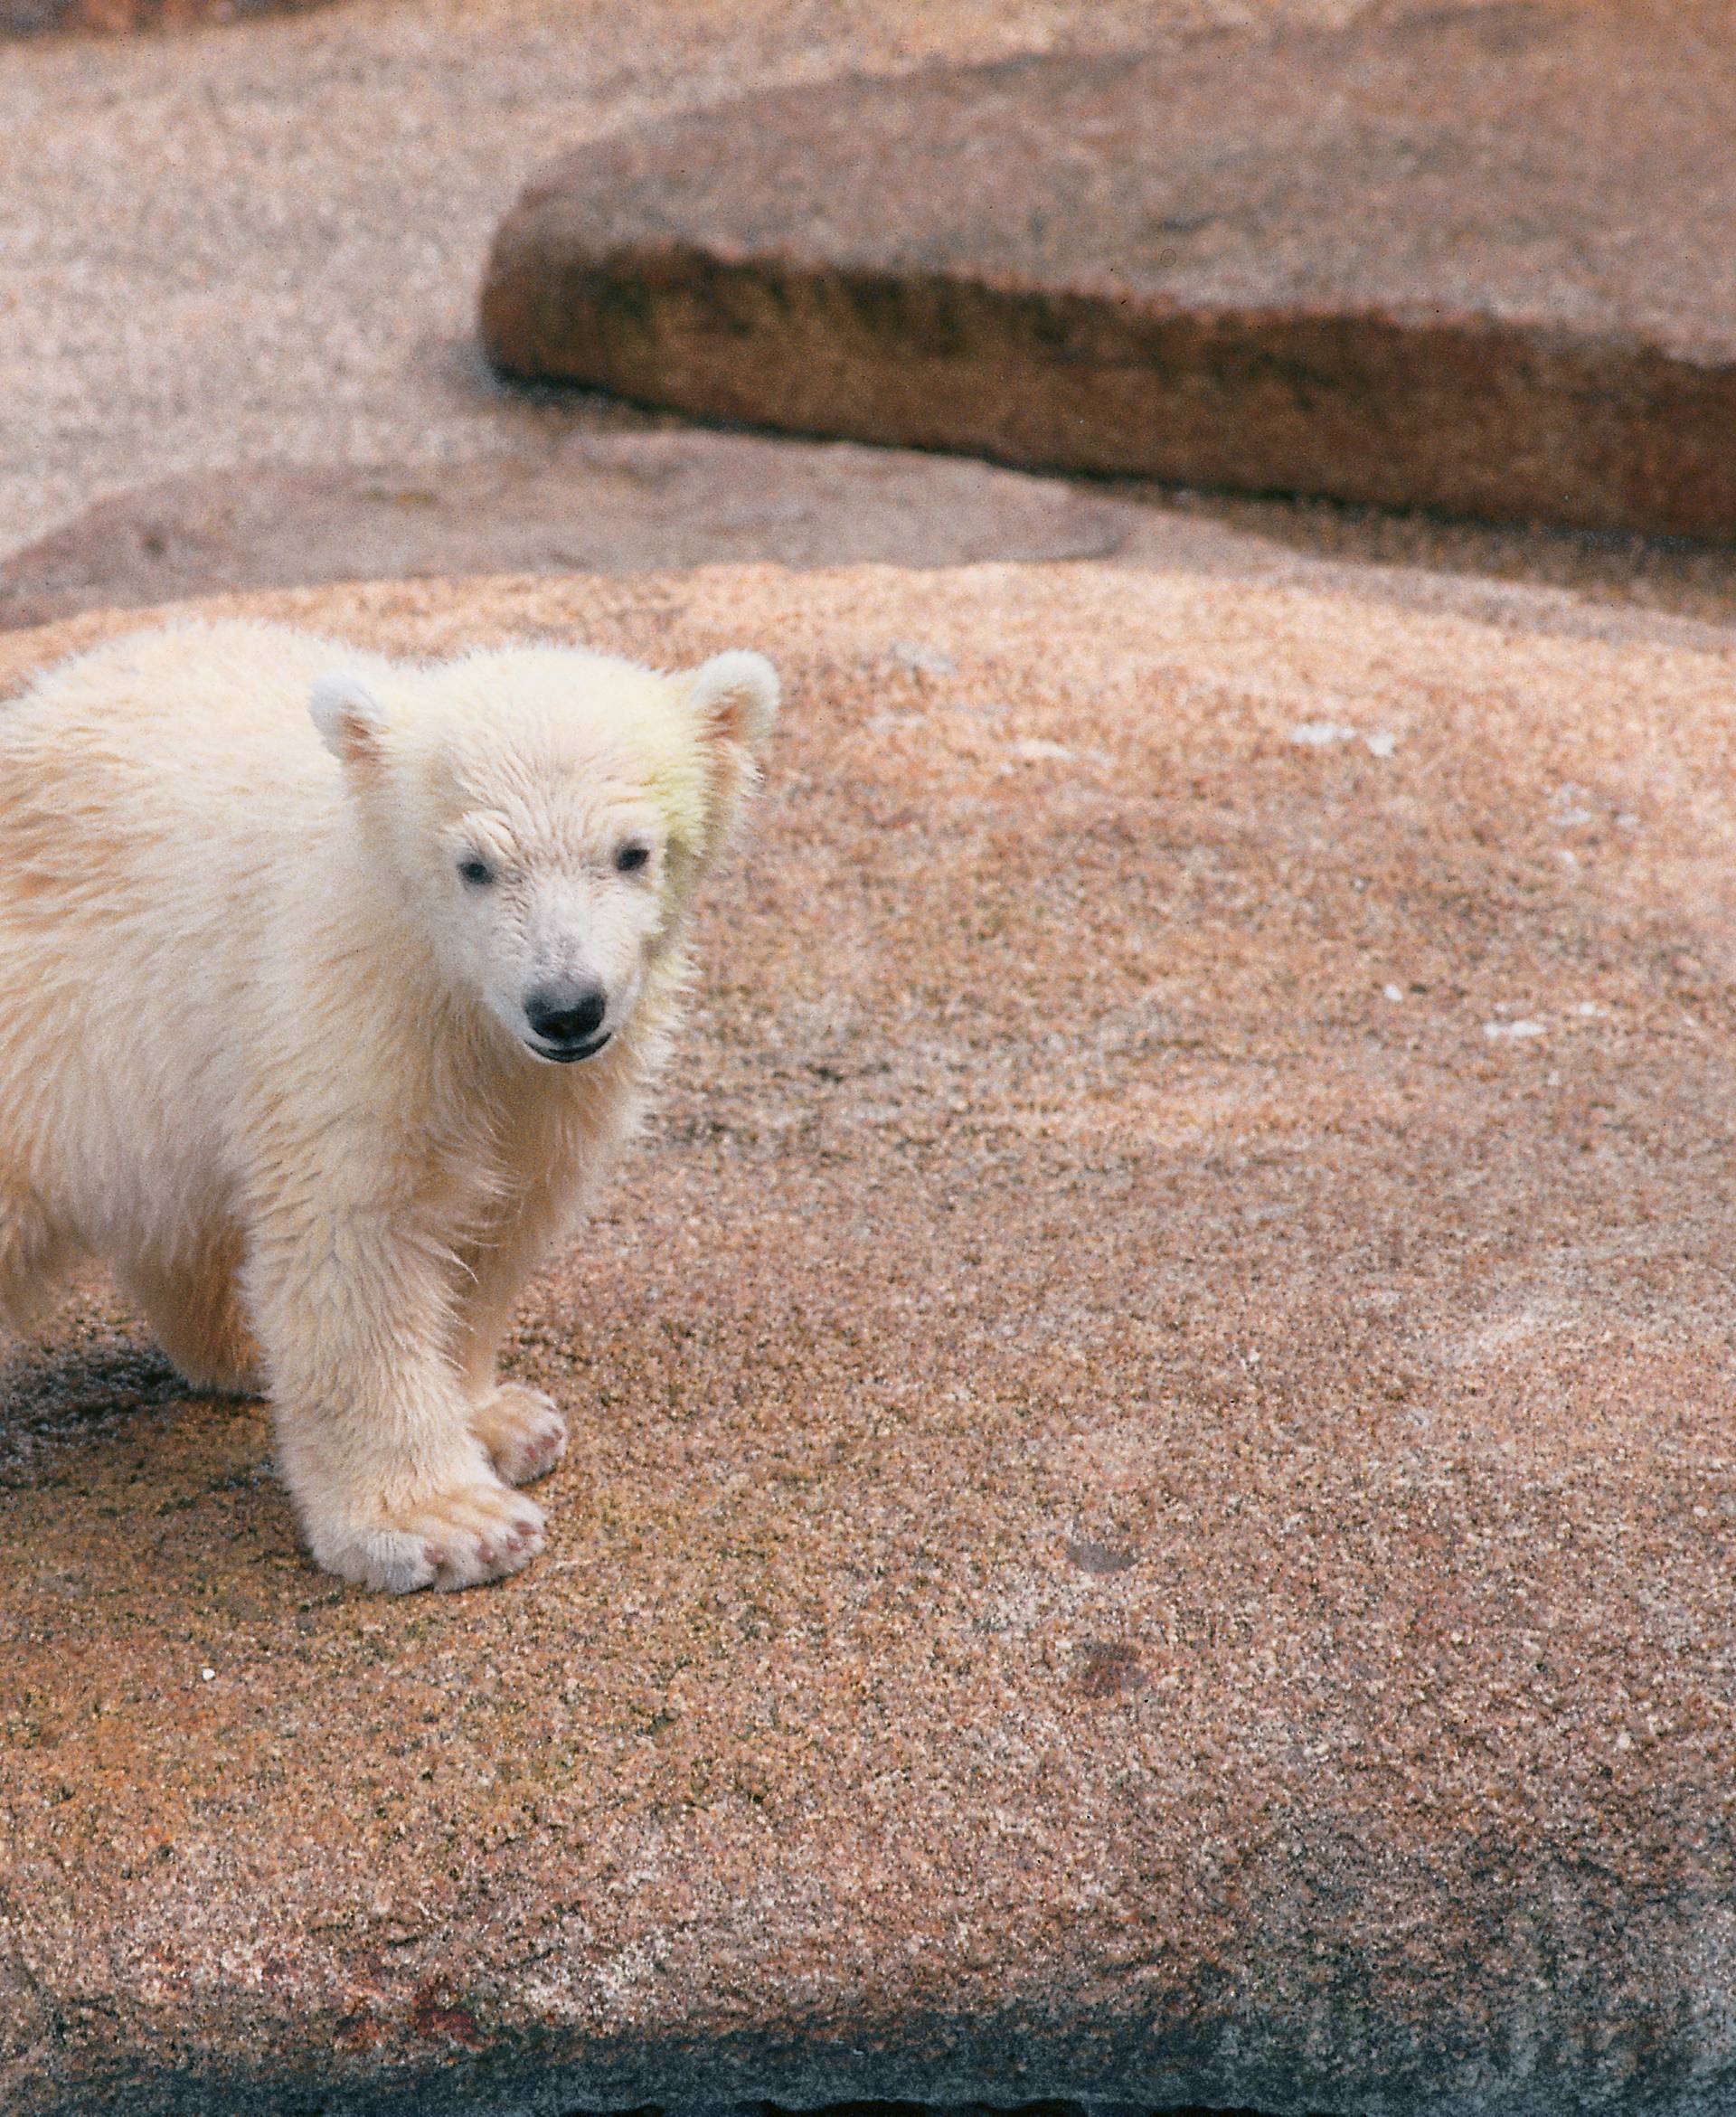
(596, 503)
(605, 500)
(1153, 1496)
(1471, 258)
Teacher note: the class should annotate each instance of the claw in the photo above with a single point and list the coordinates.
(456, 1539)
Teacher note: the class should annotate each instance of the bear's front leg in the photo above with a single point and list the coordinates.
(524, 1429)
(392, 1487)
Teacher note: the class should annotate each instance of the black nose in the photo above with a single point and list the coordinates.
(566, 1014)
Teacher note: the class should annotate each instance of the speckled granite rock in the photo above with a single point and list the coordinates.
(1153, 1498)
(1474, 259)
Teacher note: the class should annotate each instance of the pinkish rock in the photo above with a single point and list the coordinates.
(1153, 1502)
(1477, 260)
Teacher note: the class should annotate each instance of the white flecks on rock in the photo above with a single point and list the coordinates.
(1324, 735)
(926, 661)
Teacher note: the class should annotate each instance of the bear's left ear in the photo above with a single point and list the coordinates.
(733, 700)
(351, 720)
(735, 696)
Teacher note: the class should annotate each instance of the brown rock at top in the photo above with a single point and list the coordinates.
(24, 18)
(1153, 1506)
(1478, 259)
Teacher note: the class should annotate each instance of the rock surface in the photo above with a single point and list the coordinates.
(1474, 258)
(594, 503)
(264, 247)
(27, 18)
(605, 500)
(1153, 1493)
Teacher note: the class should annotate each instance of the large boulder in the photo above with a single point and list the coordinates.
(1153, 1495)
(1476, 259)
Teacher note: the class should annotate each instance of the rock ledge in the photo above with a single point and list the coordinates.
(1377, 265)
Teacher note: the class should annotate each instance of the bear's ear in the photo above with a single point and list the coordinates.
(351, 720)
(733, 701)
(735, 697)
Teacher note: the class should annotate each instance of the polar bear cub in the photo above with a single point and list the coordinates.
(329, 988)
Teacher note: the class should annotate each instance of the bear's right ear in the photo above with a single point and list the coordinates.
(351, 720)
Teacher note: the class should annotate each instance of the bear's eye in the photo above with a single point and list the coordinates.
(477, 873)
(630, 857)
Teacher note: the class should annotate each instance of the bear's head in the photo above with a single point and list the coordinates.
(546, 812)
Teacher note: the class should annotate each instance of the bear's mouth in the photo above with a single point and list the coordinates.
(566, 1054)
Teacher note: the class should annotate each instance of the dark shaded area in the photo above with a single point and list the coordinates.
(30, 18)
(1050, 2109)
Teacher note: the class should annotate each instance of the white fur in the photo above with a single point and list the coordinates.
(264, 1048)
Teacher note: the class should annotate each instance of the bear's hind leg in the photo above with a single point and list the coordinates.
(194, 1309)
(33, 1255)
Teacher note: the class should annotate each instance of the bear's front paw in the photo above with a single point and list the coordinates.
(523, 1431)
(454, 1539)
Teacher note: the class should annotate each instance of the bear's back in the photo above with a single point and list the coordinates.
(180, 759)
